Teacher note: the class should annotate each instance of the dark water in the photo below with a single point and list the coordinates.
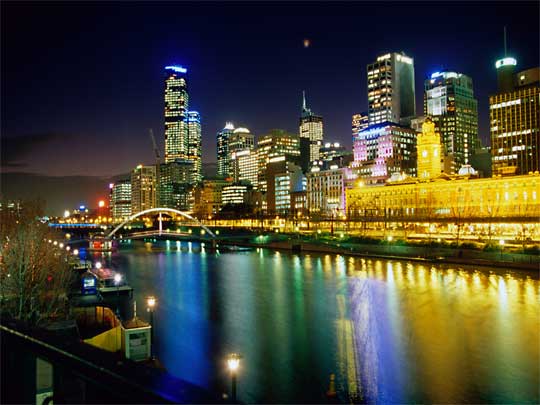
(390, 331)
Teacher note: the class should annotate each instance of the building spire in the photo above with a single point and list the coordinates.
(505, 41)
(303, 100)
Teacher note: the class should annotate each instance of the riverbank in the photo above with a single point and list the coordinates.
(388, 251)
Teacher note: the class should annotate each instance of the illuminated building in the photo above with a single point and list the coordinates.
(244, 166)
(283, 178)
(223, 150)
(326, 192)
(278, 144)
(121, 200)
(515, 120)
(208, 197)
(449, 199)
(240, 139)
(384, 149)
(143, 188)
(311, 129)
(391, 89)
(428, 144)
(176, 107)
(359, 123)
(449, 101)
(194, 151)
(176, 184)
(233, 194)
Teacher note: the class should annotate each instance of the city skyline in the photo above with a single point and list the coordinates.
(120, 133)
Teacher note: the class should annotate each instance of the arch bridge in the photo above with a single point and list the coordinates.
(160, 230)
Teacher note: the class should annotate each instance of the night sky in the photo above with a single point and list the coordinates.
(83, 82)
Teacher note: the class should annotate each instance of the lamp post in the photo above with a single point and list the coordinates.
(151, 303)
(501, 244)
(233, 363)
(117, 281)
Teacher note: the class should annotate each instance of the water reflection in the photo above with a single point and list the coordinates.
(391, 331)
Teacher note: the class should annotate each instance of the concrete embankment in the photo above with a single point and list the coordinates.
(429, 254)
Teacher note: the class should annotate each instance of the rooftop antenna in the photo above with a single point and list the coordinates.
(505, 41)
(303, 100)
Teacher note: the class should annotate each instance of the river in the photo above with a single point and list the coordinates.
(390, 331)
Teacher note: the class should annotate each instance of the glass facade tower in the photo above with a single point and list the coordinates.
(194, 150)
(176, 107)
(449, 101)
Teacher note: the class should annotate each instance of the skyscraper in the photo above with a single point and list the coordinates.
(391, 89)
(143, 188)
(515, 120)
(311, 129)
(176, 107)
(194, 151)
(223, 149)
(176, 184)
(278, 145)
(121, 200)
(449, 101)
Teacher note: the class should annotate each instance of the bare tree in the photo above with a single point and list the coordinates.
(35, 276)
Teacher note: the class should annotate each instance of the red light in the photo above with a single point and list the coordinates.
(101, 204)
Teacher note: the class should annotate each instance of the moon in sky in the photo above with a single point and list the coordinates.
(307, 43)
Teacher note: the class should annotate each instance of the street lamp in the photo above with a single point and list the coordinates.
(151, 303)
(117, 280)
(75, 252)
(501, 244)
(233, 363)
(98, 265)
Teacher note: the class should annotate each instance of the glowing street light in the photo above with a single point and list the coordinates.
(61, 245)
(55, 243)
(66, 214)
(151, 303)
(75, 252)
(98, 265)
(101, 204)
(117, 281)
(233, 363)
(68, 248)
(501, 244)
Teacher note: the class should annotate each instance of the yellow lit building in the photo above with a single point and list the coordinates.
(428, 144)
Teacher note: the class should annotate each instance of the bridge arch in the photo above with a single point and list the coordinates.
(149, 210)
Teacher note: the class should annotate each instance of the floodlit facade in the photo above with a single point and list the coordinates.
(176, 107)
(384, 149)
(391, 89)
(143, 188)
(450, 199)
(326, 192)
(428, 159)
(194, 150)
(275, 146)
(311, 129)
(223, 150)
(449, 101)
(515, 120)
(121, 200)
(283, 178)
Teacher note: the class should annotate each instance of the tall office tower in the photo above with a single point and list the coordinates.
(359, 123)
(391, 89)
(515, 120)
(278, 145)
(176, 184)
(194, 151)
(384, 149)
(240, 139)
(223, 149)
(244, 166)
(143, 188)
(449, 101)
(428, 146)
(176, 107)
(121, 200)
(311, 130)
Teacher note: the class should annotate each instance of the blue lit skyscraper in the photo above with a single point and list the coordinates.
(194, 151)
(176, 107)
(223, 149)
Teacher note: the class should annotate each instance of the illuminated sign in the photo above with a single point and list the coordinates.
(178, 69)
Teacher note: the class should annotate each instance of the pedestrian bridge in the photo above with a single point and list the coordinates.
(160, 231)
